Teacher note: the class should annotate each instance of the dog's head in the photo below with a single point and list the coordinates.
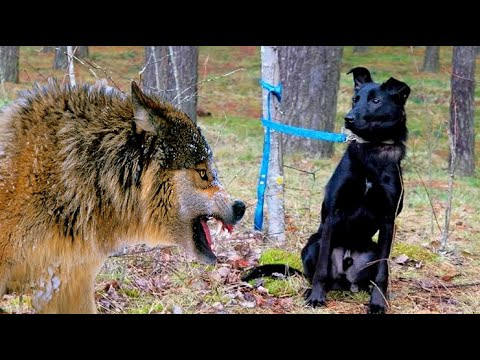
(378, 113)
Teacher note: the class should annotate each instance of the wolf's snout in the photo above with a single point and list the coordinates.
(238, 209)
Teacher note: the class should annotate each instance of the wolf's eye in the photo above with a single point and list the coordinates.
(203, 174)
(375, 101)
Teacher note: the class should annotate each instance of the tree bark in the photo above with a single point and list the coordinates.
(310, 76)
(431, 61)
(462, 109)
(82, 52)
(172, 71)
(61, 58)
(9, 63)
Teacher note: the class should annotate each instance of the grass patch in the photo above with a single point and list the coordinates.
(288, 286)
(414, 252)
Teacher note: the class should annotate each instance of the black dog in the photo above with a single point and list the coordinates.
(363, 196)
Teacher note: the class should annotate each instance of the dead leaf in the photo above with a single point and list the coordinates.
(224, 271)
(217, 305)
(262, 290)
(401, 259)
(449, 277)
(111, 284)
(248, 304)
(286, 303)
(142, 283)
(199, 285)
(242, 263)
(214, 276)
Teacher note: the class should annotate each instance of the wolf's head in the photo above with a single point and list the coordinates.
(181, 190)
(377, 113)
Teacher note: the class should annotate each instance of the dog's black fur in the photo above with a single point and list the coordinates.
(363, 196)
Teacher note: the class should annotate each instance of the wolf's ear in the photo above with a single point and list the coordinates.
(141, 115)
(397, 88)
(361, 76)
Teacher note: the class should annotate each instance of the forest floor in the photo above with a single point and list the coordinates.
(423, 279)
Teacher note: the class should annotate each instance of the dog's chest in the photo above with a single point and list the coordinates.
(368, 185)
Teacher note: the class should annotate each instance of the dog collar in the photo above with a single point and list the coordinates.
(354, 137)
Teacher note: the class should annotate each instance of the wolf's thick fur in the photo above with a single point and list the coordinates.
(88, 170)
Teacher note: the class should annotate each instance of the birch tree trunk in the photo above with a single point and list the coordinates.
(61, 58)
(274, 191)
(71, 68)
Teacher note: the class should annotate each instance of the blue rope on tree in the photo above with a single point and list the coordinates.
(287, 129)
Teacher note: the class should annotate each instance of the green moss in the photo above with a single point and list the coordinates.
(286, 287)
(131, 292)
(278, 256)
(147, 309)
(413, 251)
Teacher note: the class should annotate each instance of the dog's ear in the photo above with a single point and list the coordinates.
(361, 76)
(396, 88)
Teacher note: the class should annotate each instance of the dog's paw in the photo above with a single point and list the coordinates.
(376, 309)
(314, 300)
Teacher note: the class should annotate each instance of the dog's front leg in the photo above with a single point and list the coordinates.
(378, 301)
(317, 295)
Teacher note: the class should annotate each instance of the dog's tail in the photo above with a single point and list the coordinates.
(279, 271)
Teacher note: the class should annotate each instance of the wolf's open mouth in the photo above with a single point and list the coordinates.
(203, 229)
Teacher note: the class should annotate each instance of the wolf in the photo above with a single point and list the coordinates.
(363, 196)
(88, 170)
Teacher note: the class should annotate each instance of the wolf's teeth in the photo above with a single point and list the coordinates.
(219, 227)
(226, 233)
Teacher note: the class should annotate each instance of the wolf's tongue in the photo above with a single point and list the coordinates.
(206, 230)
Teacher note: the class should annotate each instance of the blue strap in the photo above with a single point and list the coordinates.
(262, 182)
(270, 125)
(307, 133)
(276, 90)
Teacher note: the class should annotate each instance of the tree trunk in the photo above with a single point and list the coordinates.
(47, 49)
(462, 109)
(9, 63)
(71, 67)
(82, 52)
(360, 49)
(275, 191)
(172, 71)
(61, 58)
(310, 76)
(431, 61)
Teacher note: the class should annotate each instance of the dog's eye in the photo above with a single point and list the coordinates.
(375, 101)
(203, 174)
(356, 98)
